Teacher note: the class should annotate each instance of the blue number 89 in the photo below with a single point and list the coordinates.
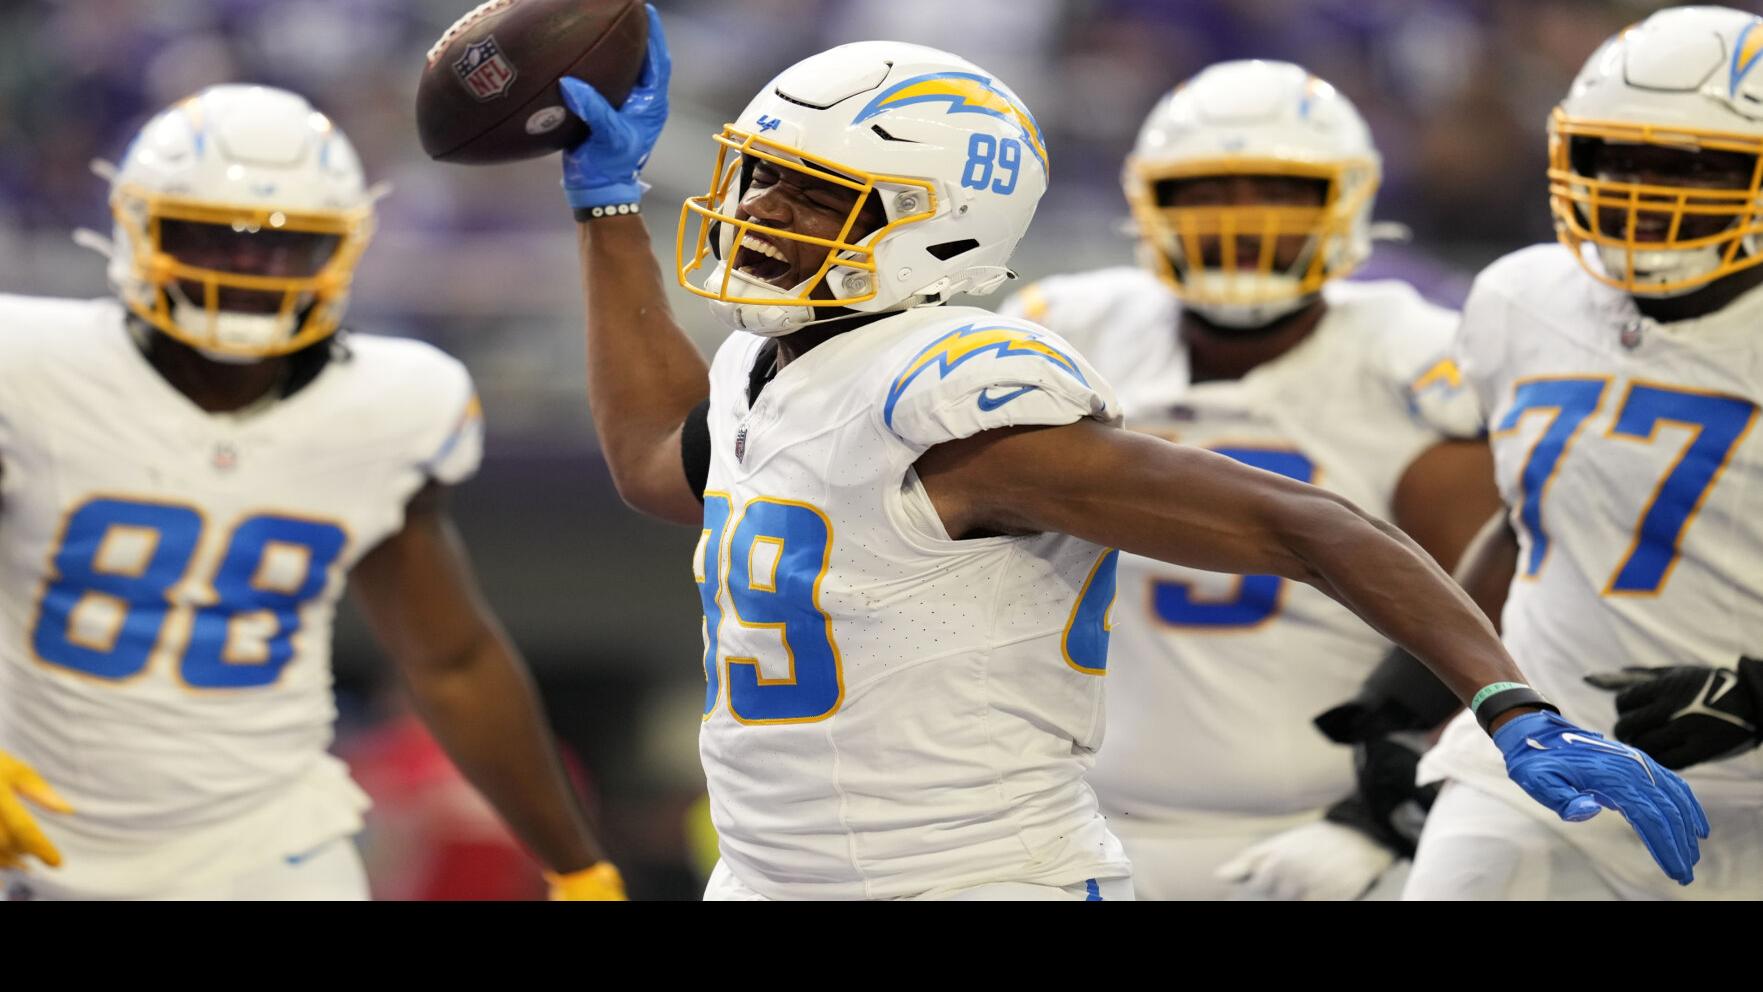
(986, 154)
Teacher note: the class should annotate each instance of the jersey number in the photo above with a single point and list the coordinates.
(766, 562)
(1085, 640)
(1257, 596)
(109, 594)
(1716, 423)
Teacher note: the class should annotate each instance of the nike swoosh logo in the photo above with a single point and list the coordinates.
(1598, 742)
(1726, 681)
(989, 403)
(299, 859)
(1719, 683)
(1572, 738)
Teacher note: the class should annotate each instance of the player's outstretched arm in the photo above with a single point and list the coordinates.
(644, 373)
(417, 592)
(1192, 507)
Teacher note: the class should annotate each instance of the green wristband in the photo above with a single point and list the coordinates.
(1486, 691)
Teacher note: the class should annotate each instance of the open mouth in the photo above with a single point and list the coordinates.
(760, 259)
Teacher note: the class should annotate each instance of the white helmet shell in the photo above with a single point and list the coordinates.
(258, 159)
(1254, 117)
(1688, 78)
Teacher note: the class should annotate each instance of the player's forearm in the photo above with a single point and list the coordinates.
(1231, 518)
(1376, 571)
(644, 373)
(486, 714)
(1367, 565)
(1402, 694)
(1192, 507)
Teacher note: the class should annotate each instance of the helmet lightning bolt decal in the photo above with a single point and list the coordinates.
(1744, 53)
(965, 93)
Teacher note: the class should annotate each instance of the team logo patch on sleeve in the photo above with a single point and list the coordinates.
(948, 352)
(1443, 374)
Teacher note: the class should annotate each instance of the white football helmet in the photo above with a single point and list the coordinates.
(247, 175)
(1686, 78)
(955, 161)
(1253, 118)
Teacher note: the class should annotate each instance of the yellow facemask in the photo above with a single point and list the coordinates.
(1178, 232)
(1575, 200)
(690, 254)
(141, 214)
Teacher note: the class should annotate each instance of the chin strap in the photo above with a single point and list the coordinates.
(89, 239)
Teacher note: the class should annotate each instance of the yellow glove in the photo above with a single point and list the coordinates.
(601, 883)
(19, 834)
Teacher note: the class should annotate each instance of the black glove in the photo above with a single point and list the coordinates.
(1388, 806)
(1685, 715)
(1385, 725)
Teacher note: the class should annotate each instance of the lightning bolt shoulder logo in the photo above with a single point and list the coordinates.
(1443, 373)
(950, 351)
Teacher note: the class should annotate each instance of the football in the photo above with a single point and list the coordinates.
(489, 89)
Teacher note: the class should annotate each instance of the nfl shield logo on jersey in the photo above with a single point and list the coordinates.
(484, 71)
(741, 443)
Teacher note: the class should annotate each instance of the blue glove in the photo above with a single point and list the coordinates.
(602, 170)
(1574, 772)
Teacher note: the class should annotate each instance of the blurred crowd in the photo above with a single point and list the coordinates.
(1455, 90)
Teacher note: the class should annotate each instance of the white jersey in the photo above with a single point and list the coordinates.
(1217, 677)
(889, 712)
(168, 579)
(1625, 452)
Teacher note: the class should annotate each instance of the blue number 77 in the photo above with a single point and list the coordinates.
(1719, 423)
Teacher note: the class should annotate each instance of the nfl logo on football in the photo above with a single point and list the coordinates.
(484, 71)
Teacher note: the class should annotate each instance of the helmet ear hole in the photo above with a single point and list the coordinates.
(949, 249)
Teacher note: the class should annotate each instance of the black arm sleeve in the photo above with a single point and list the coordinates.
(694, 448)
